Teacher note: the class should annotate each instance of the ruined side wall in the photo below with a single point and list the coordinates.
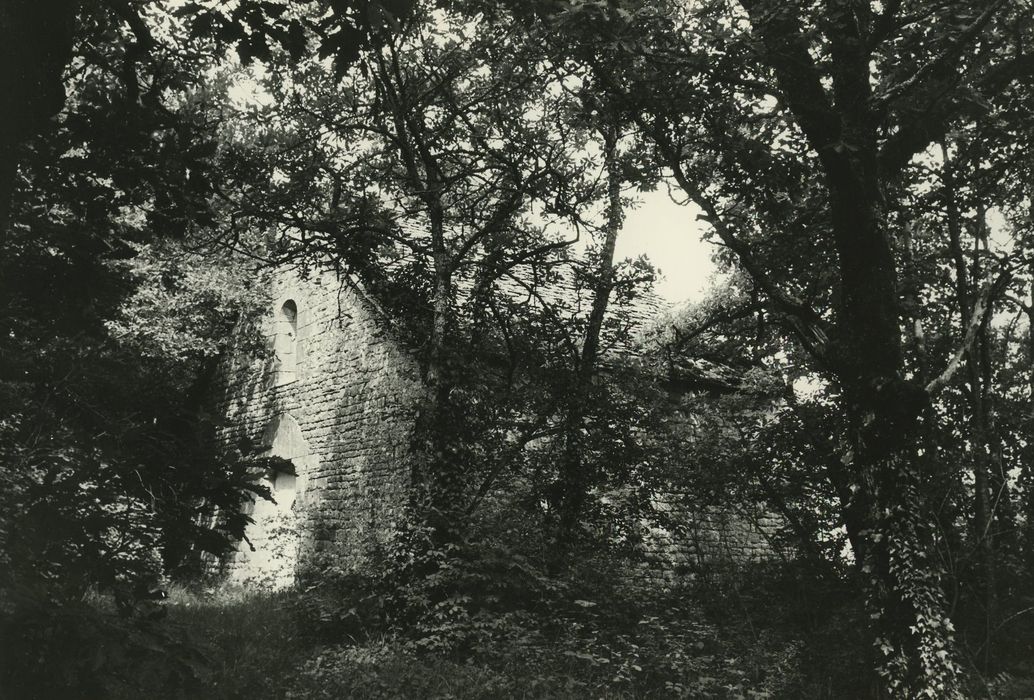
(711, 538)
(351, 392)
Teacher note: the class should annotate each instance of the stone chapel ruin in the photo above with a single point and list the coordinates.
(327, 416)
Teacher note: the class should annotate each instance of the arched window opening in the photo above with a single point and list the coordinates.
(284, 488)
(286, 343)
(282, 484)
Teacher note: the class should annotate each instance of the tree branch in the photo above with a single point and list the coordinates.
(929, 124)
(950, 54)
(787, 52)
(982, 308)
(806, 324)
(884, 23)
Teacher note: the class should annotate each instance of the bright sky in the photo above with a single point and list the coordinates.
(669, 235)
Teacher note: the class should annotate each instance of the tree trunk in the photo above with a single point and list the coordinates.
(574, 482)
(436, 478)
(1027, 466)
(438, 474)
(884, 427)
(977, 394)
(912, 635)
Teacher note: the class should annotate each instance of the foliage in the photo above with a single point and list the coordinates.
(866, 373)
(61, 648)
(104, 452)
(491, 620)
(799, 139)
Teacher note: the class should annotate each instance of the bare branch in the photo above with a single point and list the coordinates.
(572, 347)
(982, 308)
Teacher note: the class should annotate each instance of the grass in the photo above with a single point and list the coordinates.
(376, 672)
(259, 646)
(251, 641)
(234, 644)
(264, 645)
(749, 640)
(254, 648)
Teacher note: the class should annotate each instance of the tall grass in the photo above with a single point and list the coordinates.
(251, 641)
(598, 642)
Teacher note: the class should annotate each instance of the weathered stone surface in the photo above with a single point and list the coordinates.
(705, 539)
(341, 410)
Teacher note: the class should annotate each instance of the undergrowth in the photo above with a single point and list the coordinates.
(462, 621)
(592, 639)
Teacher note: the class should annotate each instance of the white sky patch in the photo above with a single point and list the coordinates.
(1002, 237)
(809, 387)
(667, 233)
(670, 236)
(247, 91)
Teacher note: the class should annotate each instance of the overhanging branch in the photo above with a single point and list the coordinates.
(981, 312)
(805, 323)
(951, 53)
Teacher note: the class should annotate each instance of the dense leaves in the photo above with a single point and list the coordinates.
(108, 474)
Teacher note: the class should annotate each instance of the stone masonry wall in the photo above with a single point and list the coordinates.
(333, 394)
(706, 539)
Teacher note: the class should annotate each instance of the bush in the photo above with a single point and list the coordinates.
(86, 650)
(484, 619)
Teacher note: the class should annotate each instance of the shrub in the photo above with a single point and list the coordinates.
(53, 649)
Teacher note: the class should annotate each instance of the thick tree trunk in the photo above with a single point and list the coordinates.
(883, 413)
(913, 644)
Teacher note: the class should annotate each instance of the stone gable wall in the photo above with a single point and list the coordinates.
(341, 410)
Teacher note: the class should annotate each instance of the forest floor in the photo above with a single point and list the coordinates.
(265, 646)
(256, 646)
